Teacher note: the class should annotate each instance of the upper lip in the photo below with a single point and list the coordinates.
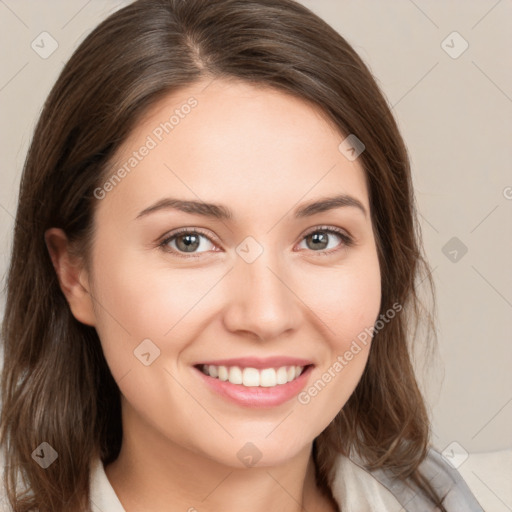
(259, 362)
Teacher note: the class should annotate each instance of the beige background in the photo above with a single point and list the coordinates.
(455, 115)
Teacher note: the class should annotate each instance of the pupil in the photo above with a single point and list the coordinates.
(188, 244)
(319, 237)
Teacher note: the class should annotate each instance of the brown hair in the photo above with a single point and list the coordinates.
(56, 384)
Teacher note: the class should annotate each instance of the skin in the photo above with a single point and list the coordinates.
(261, 153)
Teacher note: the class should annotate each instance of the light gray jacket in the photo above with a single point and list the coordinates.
(443, 477)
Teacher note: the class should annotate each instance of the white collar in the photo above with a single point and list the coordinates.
(102, 494)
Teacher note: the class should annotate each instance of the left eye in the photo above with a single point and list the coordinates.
(320, 237)
(186, 242)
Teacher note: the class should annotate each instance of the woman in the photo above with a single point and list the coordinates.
(214, 276)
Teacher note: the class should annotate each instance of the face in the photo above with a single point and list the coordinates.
(256, 282)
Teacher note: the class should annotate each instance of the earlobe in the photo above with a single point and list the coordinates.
(71, 275)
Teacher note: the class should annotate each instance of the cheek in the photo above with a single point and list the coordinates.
(136, 301)
(346, 298)
(347, 301)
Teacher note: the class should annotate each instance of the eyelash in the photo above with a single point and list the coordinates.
(346, 239)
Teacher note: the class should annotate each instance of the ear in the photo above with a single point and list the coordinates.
(72, 277)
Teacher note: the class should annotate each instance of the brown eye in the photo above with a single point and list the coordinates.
(320, 239)
(185, 242)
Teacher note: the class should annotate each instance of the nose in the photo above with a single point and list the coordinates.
(261, 298)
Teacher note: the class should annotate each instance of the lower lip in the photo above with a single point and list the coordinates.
(257, 396)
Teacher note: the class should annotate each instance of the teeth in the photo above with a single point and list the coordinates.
(222, 371)
(235, 375)
(252, 377)
(268, 377)
(282, 375)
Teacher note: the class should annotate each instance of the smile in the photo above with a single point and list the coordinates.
(247, 386)
(253, 377)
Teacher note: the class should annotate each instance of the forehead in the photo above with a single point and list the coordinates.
(230, 141)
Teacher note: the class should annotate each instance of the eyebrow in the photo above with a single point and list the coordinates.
(221, 212)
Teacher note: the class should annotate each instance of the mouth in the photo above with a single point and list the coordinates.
(250, 387)
(253, 377)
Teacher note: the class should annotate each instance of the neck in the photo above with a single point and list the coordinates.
(151, 472)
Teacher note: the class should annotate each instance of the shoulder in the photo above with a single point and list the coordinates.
(355, 489)
(352, 480)
(448, 481)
